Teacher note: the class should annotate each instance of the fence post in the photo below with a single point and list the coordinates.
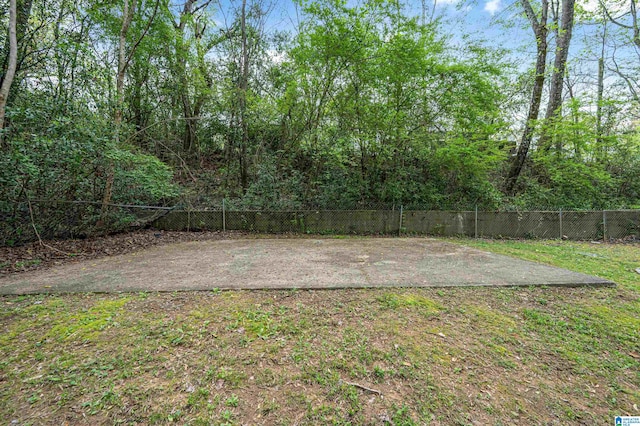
(224, 219)
(400, 222)
(604, 226)
(476, 223)
(561, 224)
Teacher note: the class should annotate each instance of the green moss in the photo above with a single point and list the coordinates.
(424, 305)
(87, 324)
(490, 317)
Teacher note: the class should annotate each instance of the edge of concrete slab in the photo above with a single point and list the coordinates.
(529, 277)
(597, 283)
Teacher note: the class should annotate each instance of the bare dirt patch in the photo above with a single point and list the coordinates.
(36, 256)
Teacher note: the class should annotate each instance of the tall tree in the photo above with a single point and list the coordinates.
(627, 64)
(193, 89)
(243, 86)
(125, 55)
(540, 31)
(23, 36)
(600, 91)
(7, 81)
(564, 30)
(245, 58)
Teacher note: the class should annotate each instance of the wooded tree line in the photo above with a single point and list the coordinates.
(157, 102)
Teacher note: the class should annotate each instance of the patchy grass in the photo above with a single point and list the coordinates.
(438, 356)
(615, 262)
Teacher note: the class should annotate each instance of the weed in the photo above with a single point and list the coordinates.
(269, 406)
(378, 372)
(232, 401)
(27, 263)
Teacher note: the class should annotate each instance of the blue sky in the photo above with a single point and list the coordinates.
(479, 19)
(498, 23)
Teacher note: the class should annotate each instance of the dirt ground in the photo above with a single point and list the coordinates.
(293, 263)
(49, 253)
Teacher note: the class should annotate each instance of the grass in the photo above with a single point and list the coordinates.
(438, 356)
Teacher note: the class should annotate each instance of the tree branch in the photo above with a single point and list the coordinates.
(531, 15)
(612, 19)
(144, 33)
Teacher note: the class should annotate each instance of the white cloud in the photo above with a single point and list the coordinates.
(492, 6)
(590, 5)
(611, 5)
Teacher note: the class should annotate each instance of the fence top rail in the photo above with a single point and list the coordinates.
(217, 209)
(304, 210)
(561, 210)
(228, 208)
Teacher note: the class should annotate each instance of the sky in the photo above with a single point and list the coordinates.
(479, 19)
(497, 23)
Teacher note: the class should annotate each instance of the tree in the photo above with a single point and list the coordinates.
(11, 68)
(124, 59)
(540, 31)
(632, 14)
(200, 80)
(626, 53)
(563, 30)
(23, 37)
(244, 58)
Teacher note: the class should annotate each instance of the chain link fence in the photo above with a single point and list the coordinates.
(27, 221)
(384, 219)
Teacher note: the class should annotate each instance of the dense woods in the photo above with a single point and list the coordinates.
(158, 102)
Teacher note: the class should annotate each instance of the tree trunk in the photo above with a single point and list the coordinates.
(600, 95)
(139, 111)
(636, 27)
(127, 16)
(23, 12)
(188, 138)
(540, 31)
(557, 78)
(244, 85)
(5, 88)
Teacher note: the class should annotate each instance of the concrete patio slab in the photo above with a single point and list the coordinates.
(295, 263)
